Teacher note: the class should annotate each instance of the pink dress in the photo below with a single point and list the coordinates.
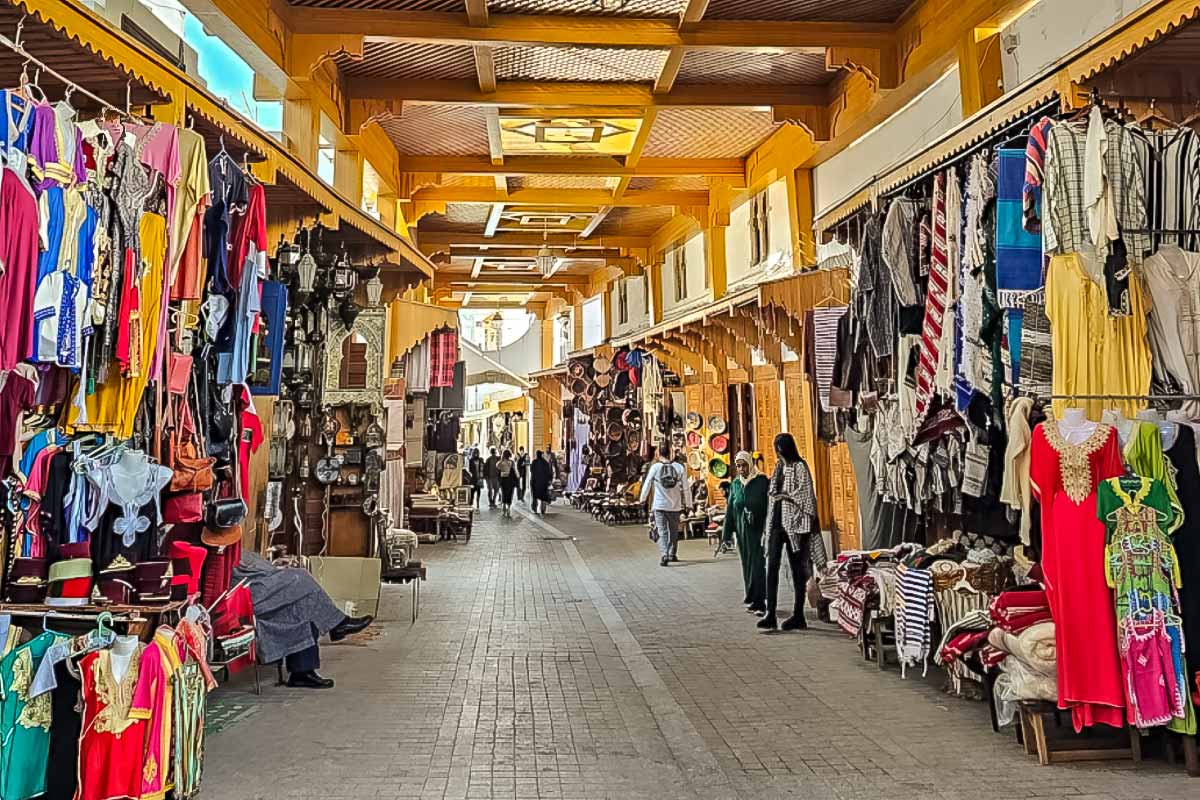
(1064, 479)
(19, 255)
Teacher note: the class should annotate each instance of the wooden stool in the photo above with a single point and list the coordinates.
(883, 633)
(1033, 734)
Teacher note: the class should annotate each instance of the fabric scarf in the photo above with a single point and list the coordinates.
(825, 328)
(749, 459)
(936, 300)
(442, 359)
(1016, 490)
(1035, 175)
(1019, 262)
(1097, 188)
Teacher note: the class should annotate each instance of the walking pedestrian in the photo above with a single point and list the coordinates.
(745, 519)
(668, 482)
(522, 472)
(792, 524)
(475, 470)
(539, 483)
(506, 469)
(492, 477)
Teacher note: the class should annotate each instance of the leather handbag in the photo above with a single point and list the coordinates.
(193, 472)
(225, 513)
(181, 508)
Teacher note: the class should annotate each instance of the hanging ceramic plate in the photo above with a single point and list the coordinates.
(696, 460)
(718, 468)
(694, 440)
(715, 425)
(694, 420)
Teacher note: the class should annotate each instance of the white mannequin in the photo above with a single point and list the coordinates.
(121, 655)
(1075, 427)
(1167, 429)
(1124, 425)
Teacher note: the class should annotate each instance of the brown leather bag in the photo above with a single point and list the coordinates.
(193, 472)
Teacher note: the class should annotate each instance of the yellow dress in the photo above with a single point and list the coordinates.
(1095, 353)
(113, 406)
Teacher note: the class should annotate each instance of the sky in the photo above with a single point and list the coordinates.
(228, 76)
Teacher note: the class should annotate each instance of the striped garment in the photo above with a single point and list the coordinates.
(825, 328)
(937, 299)
(1171, 164)
(1035, 171)
(914, 605)
(1033, 352)
(1019, 261)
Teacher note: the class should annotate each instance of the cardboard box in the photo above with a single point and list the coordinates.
(352, 583)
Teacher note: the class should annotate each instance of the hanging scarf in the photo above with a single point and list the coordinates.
(936, 300)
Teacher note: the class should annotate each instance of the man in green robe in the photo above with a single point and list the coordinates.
(746, 516)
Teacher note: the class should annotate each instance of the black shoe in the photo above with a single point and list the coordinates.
(760, 610)
(747, 601)
(349, 626)
(795, 623)
(674, 557)
(309, 680)
(665, 561)
(767, 623)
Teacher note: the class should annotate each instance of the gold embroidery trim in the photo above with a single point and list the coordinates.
(1074, 461)
(36, 713)
(117, 696)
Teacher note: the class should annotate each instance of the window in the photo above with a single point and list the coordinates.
(353, 374)
(760, 228)
(326, 150)
(677, 260)
(623, 301)
(370, 190)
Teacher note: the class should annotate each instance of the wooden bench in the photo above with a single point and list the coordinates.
(1032, 719)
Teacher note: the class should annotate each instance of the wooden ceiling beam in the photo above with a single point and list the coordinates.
(485, 69)
(493, 221)
(596, 198)
(442, 241)
(563, 279)
(519, 166)
(693, 12)
(564, 94)
(665, 81)
(477, 13)
(524, 253)
(531, 30)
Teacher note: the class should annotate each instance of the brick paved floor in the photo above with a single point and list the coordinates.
(556, 659)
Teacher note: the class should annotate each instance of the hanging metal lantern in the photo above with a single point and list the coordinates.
(306, 270)
(344, 276)
(374, 291)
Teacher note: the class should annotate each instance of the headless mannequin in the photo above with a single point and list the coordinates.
(121, 655)
(1075, 427)
(1167, 429)
(1124, 425)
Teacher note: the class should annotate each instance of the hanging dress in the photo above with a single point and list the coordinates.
(24, 721)
(111, 747)
(1064, 478)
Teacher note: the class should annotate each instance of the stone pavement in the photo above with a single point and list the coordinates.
(556, 659)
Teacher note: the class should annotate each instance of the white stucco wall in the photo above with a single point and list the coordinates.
(1053, 28)
(593, 321)
(639, 309)
(697, 294)
(928, 116)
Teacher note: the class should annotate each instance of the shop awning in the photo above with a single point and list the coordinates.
(411, 322)
(482, 368)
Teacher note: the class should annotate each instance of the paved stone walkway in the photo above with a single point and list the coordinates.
(556, 659)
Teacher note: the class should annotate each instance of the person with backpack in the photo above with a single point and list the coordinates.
(506, 469)
(668, 482)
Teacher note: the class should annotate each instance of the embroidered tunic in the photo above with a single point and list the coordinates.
(1064, 477)
(24, 721)
(111, 746)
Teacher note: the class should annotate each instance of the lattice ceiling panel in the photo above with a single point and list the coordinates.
(384, 5)
(562, 182)
(468, 213)
(439, 130)
(708, 132)
(404, 60)
(732, 67)
(820, 10)
(633, 8)
(443, 224)
(578, 64)
(635, 221)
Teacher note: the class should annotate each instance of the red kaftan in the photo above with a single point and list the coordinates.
(112, 745)
(1064, 478)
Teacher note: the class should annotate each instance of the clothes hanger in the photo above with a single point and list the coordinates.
(1152, 115)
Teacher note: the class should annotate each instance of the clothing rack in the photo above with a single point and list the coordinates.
(50, 613)
(1025, 119)
(17, 47)
(1154, 397)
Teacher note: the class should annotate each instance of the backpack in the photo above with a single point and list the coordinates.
(668, 477)
(505, 468)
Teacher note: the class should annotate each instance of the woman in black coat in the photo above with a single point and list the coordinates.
(540, 478)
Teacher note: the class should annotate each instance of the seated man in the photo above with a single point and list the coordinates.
(291, 612)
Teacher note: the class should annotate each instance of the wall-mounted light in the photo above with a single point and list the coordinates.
(374, 288)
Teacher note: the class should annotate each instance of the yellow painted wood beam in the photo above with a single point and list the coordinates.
(477, 13)
(510, 279)
(654, 292)
(530, 30)
(665, 81)
(493, 221)
(517, 166)
(485, 69)
(597, 220)
(501, 254)
(495, 144)
(714, 260)
(801, 214)
(562, 197)
(505, 239)
(564, 94)
(693, 12)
